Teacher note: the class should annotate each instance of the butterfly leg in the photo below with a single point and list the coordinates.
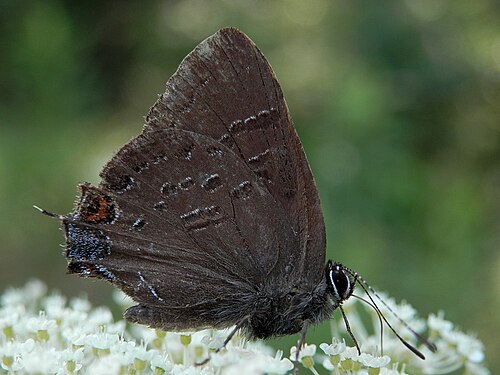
(348, 328)
(237, 327)
(300, 344)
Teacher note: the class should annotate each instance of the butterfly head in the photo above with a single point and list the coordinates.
(340, 281)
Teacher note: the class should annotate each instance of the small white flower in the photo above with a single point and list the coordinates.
(141, 353)
(124, 346)
(40, 323)
(54, 306)
(438, 324)
(142, 332)
(102, 340)
(225, 358)
(34, 290)
(100, 316)
(80, 304)
(72, 359)
(306, 351)
(161, 361)
(117, 327)
(9, 321)
(305, 356)
(369, 360)
(335, 348)
(28, 346)
(73, 355)
(278, 365)
(76, 320)
(9, 355)
(350, 353)
(212, 338)
(43, 328)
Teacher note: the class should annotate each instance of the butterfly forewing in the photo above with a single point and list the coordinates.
(212, 200)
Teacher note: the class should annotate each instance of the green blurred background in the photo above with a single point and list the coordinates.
(397, 104)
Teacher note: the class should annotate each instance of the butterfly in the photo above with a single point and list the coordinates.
(211, 217)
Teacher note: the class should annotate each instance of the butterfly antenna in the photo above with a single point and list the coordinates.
(47, 213)
(379, 320)
(367, 288)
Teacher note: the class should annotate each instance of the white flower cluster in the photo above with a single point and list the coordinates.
(46, 334)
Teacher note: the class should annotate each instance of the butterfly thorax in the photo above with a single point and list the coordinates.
(285, 312)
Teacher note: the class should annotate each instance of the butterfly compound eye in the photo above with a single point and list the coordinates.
(339, 281)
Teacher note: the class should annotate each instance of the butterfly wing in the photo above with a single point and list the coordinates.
(209, 202)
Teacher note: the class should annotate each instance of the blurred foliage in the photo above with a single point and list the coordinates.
(397, 104)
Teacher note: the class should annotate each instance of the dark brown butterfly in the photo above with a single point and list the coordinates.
(211, 217)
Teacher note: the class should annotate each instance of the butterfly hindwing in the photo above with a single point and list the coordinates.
(172, 219)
